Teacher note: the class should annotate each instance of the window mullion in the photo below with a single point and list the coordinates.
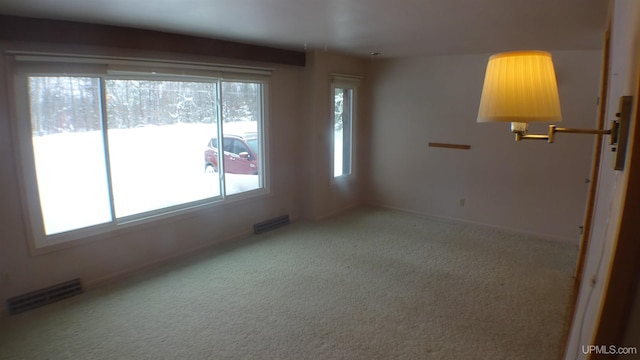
(221, 170)
(345, 131)
(105, 142)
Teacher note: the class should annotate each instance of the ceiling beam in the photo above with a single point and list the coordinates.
(25, 29)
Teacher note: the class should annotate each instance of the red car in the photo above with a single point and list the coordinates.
(240, 154)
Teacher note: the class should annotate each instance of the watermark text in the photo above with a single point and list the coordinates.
(609, 350)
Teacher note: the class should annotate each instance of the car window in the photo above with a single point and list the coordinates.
(214, 143)
(227, 143)
(239, 147)
(253, 144)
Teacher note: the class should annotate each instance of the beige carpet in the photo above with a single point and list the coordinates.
(368, 284)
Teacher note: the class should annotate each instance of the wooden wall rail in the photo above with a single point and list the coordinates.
(450, 146)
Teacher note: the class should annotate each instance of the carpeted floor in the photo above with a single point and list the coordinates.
(367, 284)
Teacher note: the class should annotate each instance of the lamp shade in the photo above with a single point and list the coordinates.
(520, 86)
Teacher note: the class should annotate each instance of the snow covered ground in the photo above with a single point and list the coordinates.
(337, 152)
(152, 167)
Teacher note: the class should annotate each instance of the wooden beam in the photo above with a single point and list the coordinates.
(24, 29)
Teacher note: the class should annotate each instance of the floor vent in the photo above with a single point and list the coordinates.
(271, 224)
(44, 296)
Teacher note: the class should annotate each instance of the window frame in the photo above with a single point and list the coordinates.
(352, 83)
(22, 66)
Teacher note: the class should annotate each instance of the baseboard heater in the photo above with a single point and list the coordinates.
(38, 298)
(271, 224)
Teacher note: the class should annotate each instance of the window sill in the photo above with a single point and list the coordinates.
(100, 233)
(343, 180)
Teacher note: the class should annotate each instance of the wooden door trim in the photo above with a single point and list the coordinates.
(622, 283)
(597, 155)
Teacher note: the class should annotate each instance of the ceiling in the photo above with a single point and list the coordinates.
(359, 27)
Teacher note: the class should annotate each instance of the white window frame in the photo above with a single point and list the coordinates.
(340, 81)
(23, 65)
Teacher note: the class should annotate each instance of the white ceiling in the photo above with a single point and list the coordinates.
(391, 27)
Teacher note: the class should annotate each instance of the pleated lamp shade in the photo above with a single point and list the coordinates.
(520, 86)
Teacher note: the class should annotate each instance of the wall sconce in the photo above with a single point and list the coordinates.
(520, 87)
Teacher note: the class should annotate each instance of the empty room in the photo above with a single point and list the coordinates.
(398, 180)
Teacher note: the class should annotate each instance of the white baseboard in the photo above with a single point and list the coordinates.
(544, 236)
(335, 212)
(123, 274)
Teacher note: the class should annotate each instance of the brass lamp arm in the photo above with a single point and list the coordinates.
(618, 132)
(522, 135)
(555, 129)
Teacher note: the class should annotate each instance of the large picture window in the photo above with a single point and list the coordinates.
(101, 150)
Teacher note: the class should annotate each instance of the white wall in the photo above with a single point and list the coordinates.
(625, 59)
(530, 186)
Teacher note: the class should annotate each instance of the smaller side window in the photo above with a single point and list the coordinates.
(343, 104)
